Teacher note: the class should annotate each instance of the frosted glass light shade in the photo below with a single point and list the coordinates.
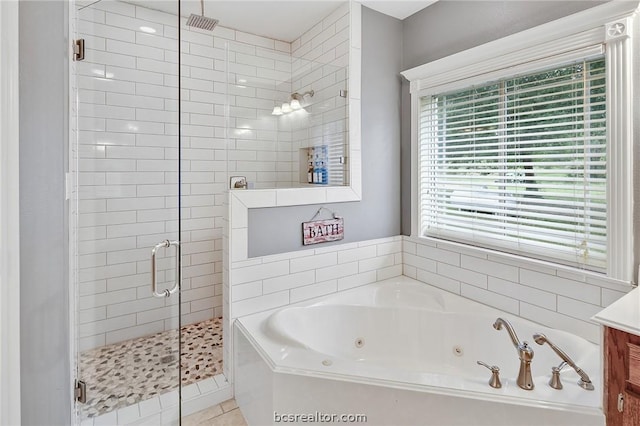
(276, 110)
(295, 105)
(286, 108)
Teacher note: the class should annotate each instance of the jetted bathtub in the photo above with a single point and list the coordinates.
(402, 352)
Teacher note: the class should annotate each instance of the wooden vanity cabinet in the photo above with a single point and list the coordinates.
(621, 377)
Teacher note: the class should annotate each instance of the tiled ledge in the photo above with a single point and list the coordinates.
(240, 201)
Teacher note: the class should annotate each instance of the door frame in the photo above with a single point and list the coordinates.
(10, 404)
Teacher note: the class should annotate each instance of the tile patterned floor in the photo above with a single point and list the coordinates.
(225, 414)
(128, 372)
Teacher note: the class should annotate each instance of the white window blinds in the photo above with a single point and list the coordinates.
(519, 164)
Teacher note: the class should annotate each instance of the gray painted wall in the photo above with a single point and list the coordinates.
(278, 229)
(442, 29)
(448, 27)
(44, 318)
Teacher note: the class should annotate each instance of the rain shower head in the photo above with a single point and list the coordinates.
(201, 21)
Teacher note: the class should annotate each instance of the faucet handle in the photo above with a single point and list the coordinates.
(490, 367)
(555, 382)
(494, 381)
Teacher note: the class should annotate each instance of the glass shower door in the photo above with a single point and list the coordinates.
(126, 209)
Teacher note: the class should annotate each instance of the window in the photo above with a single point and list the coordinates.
(519, 164)
(525, 144)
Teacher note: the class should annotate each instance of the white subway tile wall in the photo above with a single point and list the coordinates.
(267, 282)
(262, 283)
(127, 115)
(556, 297)
(128, 157)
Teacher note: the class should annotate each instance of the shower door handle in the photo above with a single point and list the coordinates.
(154, 280)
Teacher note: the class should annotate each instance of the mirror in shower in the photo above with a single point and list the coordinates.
(288, 106)
(288, 127)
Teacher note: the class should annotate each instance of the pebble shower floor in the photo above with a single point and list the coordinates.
(128, 372)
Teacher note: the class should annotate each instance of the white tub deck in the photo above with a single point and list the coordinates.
(404, 337)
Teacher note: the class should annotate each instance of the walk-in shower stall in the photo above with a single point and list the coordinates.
(166, 117)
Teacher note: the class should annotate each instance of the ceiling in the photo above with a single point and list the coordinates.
(281, 20)
(398, 9)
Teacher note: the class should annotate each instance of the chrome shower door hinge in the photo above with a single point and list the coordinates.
(80, 391)
(78, 50)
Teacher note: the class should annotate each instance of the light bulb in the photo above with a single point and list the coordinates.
(286, 108)
(276, 110)
(295, 105)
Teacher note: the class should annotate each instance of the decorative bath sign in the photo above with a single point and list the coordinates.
(322, 231)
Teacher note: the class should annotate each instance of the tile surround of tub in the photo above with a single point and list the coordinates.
(267, 282)
(262, 283)
(554, 296)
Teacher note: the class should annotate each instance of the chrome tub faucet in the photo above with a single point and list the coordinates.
(525, 353)
(584, 382)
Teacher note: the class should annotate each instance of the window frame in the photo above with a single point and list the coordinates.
(609, 28)
(494, 242)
